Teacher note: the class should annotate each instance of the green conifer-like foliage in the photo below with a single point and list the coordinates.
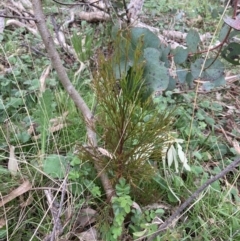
(130, 127)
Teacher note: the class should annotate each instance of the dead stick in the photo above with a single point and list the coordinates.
(175, 215)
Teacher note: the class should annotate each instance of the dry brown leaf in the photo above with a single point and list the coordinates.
(236, 146)
(105, 152)
(137, 207)
(57, 128)
(218, 96)
(229, 140)
(157, 221)
(60, 119)
(155, 206)
(89, 235)
(61, 38)
(43, 78)
(32, 129)
(86, 217)
(56, 125)
(176, 35)
(25, 187)
(199, 81)
(35, 138)
(12, 161)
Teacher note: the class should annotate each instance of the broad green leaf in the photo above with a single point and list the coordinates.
(200, 116)
(223, 32)
(215, 12)
(189, 79)
(196, 68)
(156, 74)
(209, 120)
(119, 218)
(122, 182)
(178, 182)
(149, 38)
(172, 196)
(116, 231)
(165, 50)
(216, 185)
(197, 170)
(160, 211)
(23, 137)
(95, 190)
(5, 81)
(182, 74)
(172, 84)
(180, 55)
(15, 102)
(232, 53)
(127, 209)
(75, 161)
(55, 166)
(216, 106)
(233, 33)
(192, 40)
(212, 72)
(33, 84)
(208, 86)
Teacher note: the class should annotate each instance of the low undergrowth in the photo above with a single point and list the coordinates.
(157, 146)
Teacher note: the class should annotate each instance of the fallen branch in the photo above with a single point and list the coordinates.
(177, 213)
(19, 17)
(94, 16)
(226, 134)
(53, 206)
(21, 25)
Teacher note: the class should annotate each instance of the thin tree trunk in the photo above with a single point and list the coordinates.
(73, 93)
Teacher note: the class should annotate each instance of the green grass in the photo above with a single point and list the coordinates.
(213, 216)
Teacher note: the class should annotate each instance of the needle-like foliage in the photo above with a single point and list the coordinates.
(130, 127)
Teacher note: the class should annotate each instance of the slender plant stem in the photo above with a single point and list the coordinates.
(73, 93)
